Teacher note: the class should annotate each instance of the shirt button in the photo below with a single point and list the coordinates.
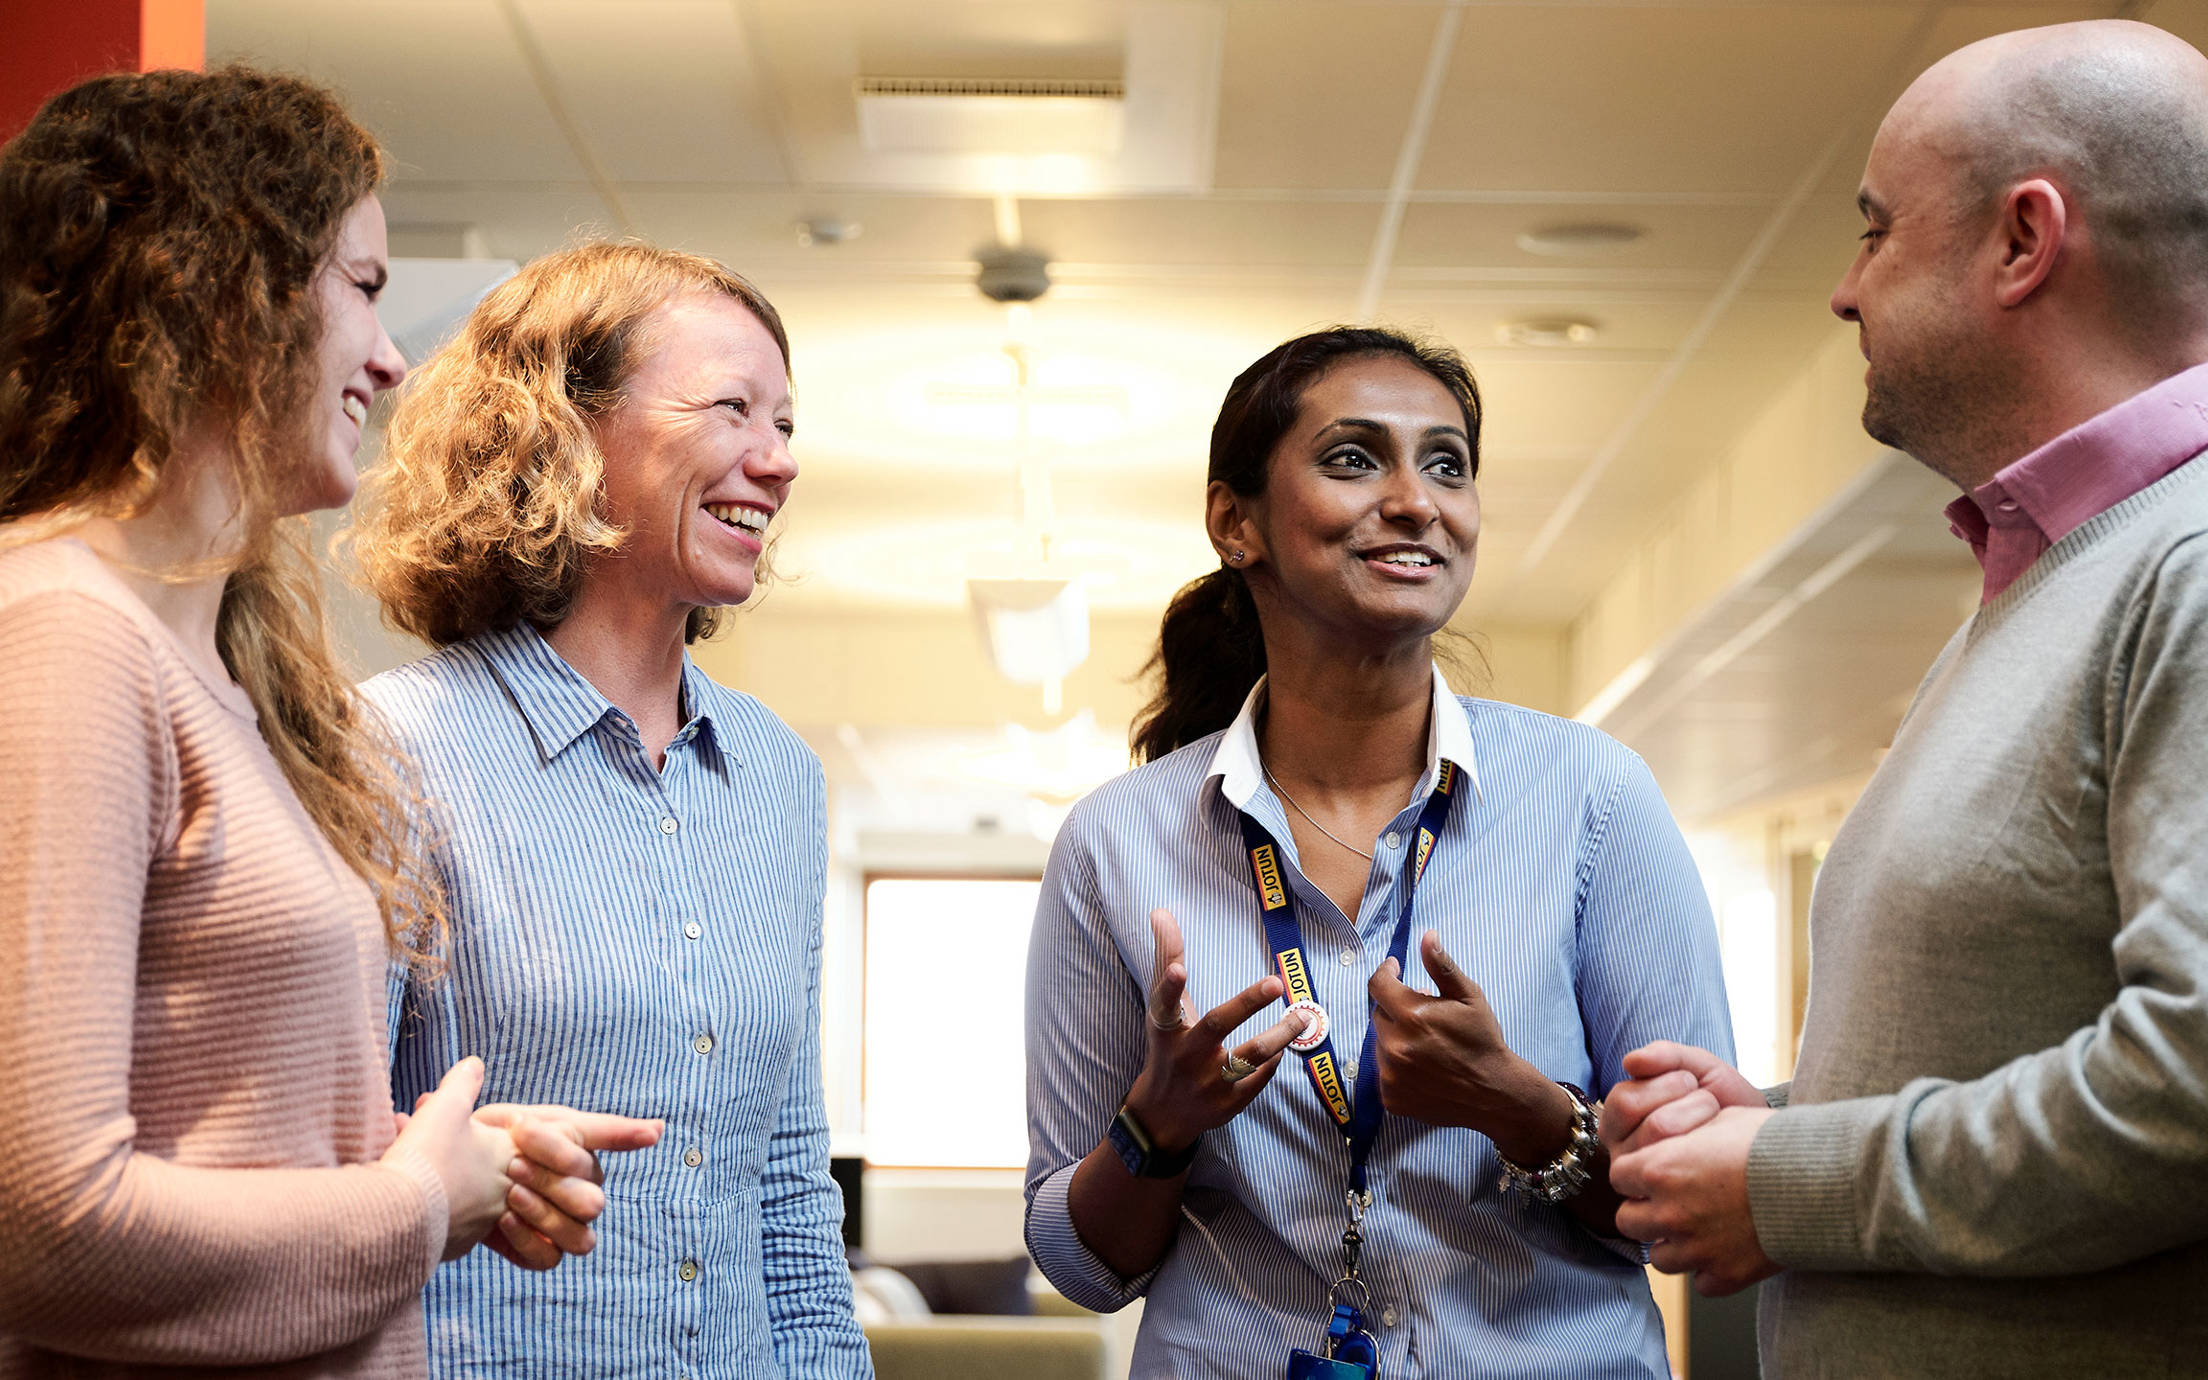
(1387, 1317)
(692, 930)
(1393, 839)
(703, 1044)
(688, 1270)
(1349, 957)
(693, 1157)
(1349, 1069)
(667, 824)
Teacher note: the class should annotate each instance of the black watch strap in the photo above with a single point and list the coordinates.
(1141, 1155)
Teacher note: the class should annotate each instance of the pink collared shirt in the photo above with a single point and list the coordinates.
(2013, 518)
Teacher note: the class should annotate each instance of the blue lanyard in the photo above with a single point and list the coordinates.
(1358, 1119)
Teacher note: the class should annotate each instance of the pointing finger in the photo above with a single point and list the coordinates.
(1227, 1017)
(1275, 1037)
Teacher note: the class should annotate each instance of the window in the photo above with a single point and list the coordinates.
(945, 1057)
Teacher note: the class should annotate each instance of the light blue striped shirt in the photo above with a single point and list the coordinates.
(645, 942)
(1560, 884)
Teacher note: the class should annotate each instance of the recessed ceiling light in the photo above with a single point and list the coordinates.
(1548, 332)
(1581, 238)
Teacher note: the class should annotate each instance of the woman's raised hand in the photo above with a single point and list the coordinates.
(556, 1177)
(468, 1157)
(1184, 1090)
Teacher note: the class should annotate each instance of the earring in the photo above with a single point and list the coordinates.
(1240, 556)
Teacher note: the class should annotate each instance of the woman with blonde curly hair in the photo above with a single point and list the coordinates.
(203, 875)
(633, 854)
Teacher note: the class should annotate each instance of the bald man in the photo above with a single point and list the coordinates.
(1993, 1160)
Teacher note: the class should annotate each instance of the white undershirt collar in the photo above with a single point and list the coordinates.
(1448, 739)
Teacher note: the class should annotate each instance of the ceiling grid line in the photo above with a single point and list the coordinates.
(768, 95)
(1736, 282)
(1407, 159)
(540, 71)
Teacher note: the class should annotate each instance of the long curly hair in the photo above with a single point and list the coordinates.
(160, 238)
(485, 509)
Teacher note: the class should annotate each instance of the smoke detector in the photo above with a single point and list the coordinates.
(1011, 274)
(826, 230)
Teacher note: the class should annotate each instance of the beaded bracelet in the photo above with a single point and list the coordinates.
(1564, 1176)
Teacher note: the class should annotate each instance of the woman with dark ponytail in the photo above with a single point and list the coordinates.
(1430, 1197)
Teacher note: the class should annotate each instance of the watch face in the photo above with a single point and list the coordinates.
(1130, 1151)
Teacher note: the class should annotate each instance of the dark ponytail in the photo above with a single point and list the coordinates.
(1210, 652)
(1211, 647)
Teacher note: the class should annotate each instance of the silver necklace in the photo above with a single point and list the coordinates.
(1307, 814)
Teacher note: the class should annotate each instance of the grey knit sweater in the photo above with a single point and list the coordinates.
(1994, 1159)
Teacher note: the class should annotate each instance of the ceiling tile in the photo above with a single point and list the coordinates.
(441, 82)
(1678, 237)
(1653, 99)
(517, 222)
(1535, 404)
(663, 90)
(1318, 94)
(1627, 329)
(756, 230)
(2188, 19)
(1229, 234)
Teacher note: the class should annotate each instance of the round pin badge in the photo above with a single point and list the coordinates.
(1314, 1028)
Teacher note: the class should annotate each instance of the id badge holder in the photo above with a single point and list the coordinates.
(1302, 1365)
(1351, 1352)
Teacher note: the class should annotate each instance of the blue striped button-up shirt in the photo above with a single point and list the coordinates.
(632, 940)
(1560, 884)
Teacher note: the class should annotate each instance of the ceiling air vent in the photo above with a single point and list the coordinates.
(990, 115)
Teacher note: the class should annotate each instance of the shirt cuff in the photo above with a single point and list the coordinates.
(1802, 1183)
(1066, 1260)
(410, 1165)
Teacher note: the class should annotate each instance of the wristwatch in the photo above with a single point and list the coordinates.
(1564, 1176)
(1141, 1154)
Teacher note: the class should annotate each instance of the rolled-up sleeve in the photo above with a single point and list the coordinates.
(1084, 1049)
(1649, 966)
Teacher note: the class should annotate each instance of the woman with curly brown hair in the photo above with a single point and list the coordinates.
(634, 854)
(203, 869)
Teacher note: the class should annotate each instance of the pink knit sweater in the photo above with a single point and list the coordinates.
(193, 1086)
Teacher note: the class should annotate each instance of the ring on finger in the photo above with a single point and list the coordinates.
(1179, 1021)
(1236, 1068)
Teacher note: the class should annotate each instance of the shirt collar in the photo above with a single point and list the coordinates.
(2093, 466)
(1448, 739)
(561, 705)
